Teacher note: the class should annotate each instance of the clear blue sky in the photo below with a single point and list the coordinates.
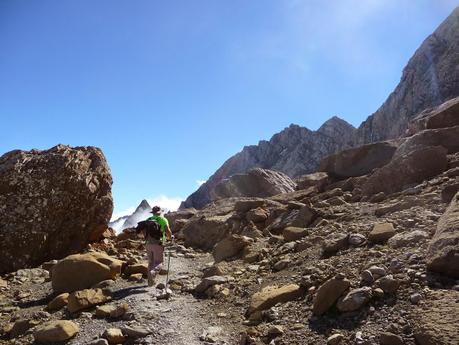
(170, 89)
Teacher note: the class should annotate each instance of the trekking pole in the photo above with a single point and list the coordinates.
(168, 262)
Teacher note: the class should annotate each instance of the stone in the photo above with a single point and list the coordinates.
(377, 271)
(388, 284)
(436, 322)
(271, 295)
(417, 166)
(328, 293)
(292, 233)
(335, 339)
(55, 331)
(59, 302)
(354, 299)
(211, 334)
(367, 277)
(281, 264)
(141, 268)
(407, 239)
(82, 271)
(381, 232)
(112, 310)
(99, 342)
(135, 332)
(208, 282)
(85, 299)
(135, 277)
(360, 160)
(3, 283)
(443, 250)
(21, 326)
(318, 180)
(356, 240)
(114, 336)
(257, 215)
(65, 192)
(306, 215)
(337, 242)
(415, 298)
(230, 247)
(387, 338)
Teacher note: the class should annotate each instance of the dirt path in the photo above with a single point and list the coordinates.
(182, 319)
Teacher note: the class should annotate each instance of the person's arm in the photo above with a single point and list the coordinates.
(168, 233)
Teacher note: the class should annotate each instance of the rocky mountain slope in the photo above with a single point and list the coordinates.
(363, 253)
(294, 151)
(430, 78)
(142, 212)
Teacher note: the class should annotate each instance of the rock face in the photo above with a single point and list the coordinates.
(52, 203)
(255, 183)
(443, 252)
(417, 166)
(360, 160)
(430, 78)
(294, 151)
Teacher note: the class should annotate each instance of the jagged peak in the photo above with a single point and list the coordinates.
(143, 205)
(334, 121)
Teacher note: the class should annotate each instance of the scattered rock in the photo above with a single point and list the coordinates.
(335, 339)
(381, 232)
(84, 299)
(388, 284)
(114, 336)
(354, 299)
(112, 310)
(387, 338)
(55, 331)
(59, 301)
(271, 295)
(230, 247)
(407, 239)
(328, 293)
(291, 233)
(208, 282)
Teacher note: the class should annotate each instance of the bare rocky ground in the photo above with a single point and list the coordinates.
(181, 319)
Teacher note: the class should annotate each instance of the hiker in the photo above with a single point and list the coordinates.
(155, 244)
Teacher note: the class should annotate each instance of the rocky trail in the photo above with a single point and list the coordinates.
(180, 319)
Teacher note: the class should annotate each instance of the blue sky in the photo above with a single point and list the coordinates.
(170, 89)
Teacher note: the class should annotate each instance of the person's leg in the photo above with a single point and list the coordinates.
(158, 251)
(151, 263)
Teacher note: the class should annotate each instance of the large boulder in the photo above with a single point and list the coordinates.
(255, 183)
(230, 247)
(52, 203)
(445, 115)
(81, 271)
(204, 232)
(446, 137)
(417, 166)
(360, 160)
(443, 251)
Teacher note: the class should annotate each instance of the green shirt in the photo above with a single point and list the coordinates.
(163, 222)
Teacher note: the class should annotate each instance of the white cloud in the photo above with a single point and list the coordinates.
(165, 202)
(120, 214)
(200, 182)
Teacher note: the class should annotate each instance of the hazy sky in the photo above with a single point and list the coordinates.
(170, 89)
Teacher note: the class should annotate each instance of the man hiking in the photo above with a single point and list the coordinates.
(155, 243)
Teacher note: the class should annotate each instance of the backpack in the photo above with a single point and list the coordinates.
(152, 229)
